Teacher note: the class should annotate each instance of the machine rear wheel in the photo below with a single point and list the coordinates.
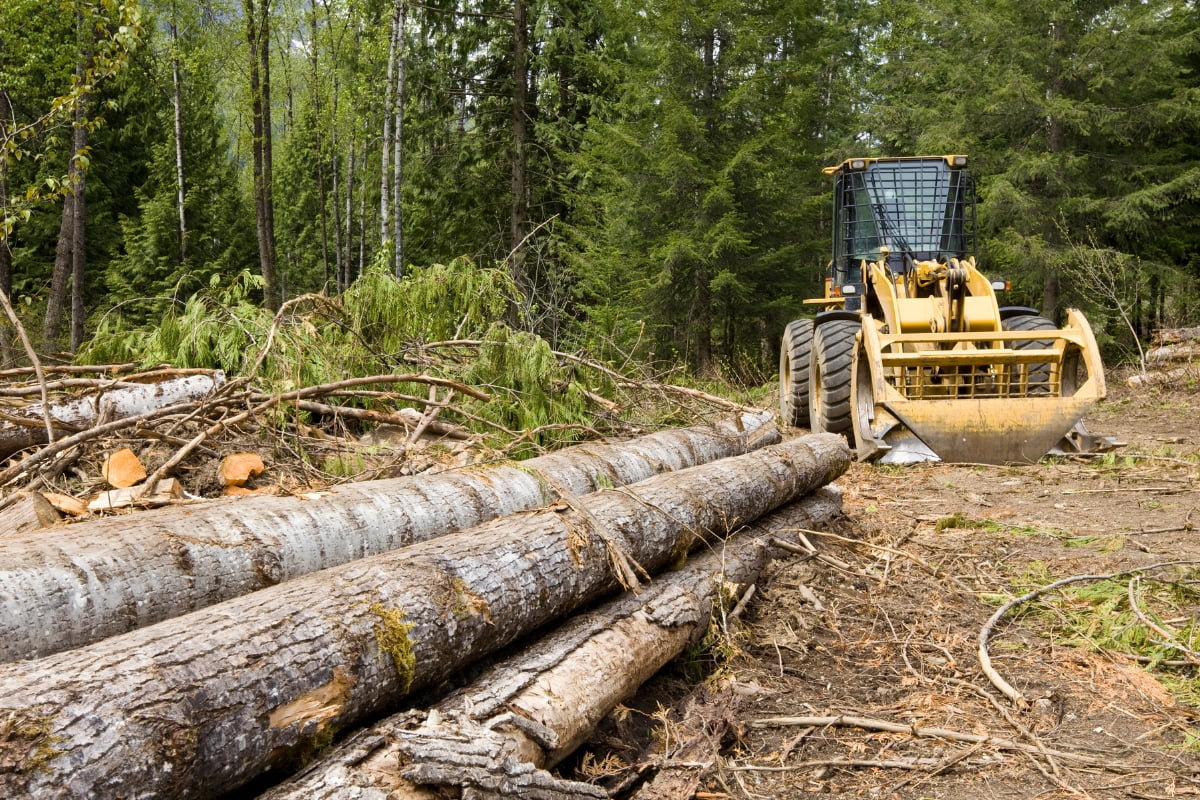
(794, 354)
(1039, 374)
(829, 376)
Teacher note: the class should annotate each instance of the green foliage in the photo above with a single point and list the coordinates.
(443, 301)
(217, 328)
(1099, 616)
(61, 62)
(675, 208)
(368, 331)
(529, 388)
(696, 231)
(1081, 127)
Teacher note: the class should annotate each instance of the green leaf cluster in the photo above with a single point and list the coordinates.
(380, 325)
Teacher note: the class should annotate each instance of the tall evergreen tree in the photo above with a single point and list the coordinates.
(705, 210)
(1077, 118)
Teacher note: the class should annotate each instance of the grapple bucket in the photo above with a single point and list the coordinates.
(991, 397)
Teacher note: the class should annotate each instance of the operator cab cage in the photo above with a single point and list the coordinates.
(920, 209)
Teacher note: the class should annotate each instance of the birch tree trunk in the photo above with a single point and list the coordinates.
(78, 239)
(177, 108)
(198, 705)
(103, 578)
(564, 684)
(61, 271)
(398, 143)
(126, 401)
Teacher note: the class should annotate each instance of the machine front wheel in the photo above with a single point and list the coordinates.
(794, 355)
(1039, 374)
(829, 376)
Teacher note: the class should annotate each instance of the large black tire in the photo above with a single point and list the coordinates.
(830, 367)
(1039, 374)
(793, 372)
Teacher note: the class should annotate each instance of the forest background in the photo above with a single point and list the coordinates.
(637, 181)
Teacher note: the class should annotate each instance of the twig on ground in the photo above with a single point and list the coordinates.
(740, 608)
(33, 359)
(1131, 593)
(886, 726)
(812, 552)
(902, 553)
(985, 661)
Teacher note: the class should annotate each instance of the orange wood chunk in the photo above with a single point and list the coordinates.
(238, 468)
(122, 469)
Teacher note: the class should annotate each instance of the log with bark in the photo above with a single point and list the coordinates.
(198, 705)
(1168, 336)
(532, 710)
(1173, 354)
(27, 427)
(106, 577)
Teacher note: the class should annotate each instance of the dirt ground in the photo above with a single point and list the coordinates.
(884, 628)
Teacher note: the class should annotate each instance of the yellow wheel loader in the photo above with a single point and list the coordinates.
(911, 356)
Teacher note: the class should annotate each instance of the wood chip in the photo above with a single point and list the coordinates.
(238, 491)
(123, 469)
(165, 491)
(66, 503)
(238, 468)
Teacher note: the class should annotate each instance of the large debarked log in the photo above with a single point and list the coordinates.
(197, 705)
(74, 586)
(534, 709)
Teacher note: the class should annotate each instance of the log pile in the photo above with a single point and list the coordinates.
(60, 592)
(530, 711)
(200, 704)
(1171, 358)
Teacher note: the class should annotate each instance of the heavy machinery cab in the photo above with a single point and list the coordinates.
(897, 211)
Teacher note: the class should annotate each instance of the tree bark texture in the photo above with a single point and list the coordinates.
(198, 705)
(103, 578)
(78, 219)
(177, 109)
(541, 704)
(6, 111)
(518, 215)
(258, 39)
(126, 401)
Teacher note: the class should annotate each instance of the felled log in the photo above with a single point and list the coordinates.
(106, 577)
(1171, 377)
(30, 511)
(198, 705)
(1173, 354)
(26, 427)
(532, 710)
(1166, 336)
